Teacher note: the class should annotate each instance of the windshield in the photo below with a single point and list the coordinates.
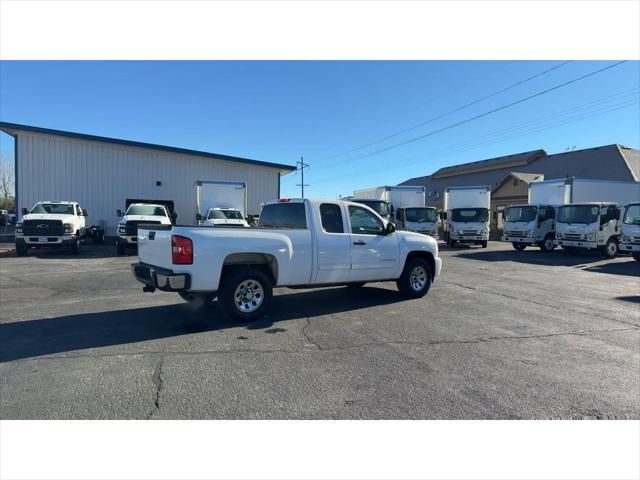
(59, 208)
(421, 215)
(632, 215)
(379, 206)
(224, 215)
(146, 210)
(578, 214)
(521, 214)
(469, 215)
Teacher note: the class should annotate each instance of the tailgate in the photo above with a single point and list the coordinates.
(154, 245)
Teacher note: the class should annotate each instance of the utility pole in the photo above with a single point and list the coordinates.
(300, 165)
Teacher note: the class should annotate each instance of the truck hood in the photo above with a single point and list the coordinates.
(576, 227)
(141, 218)
(50, 216)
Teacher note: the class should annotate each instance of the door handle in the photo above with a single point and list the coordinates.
(359, 242)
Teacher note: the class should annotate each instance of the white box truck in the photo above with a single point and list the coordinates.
(466, 215)
(418, 219)
(221, 203)
(386, 198)
(534, 223)
(630, 230)
(591, 217)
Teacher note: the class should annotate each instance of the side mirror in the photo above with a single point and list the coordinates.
(119, 213)
(390, 228)
(85, 213)
(24, 211)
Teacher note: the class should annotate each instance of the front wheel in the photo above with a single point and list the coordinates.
(636, 256)
(75, 246)
(121, 248)
(519, 246)
(484, 244)
(610, 249)
(21, 250)
(415, 280)
(452, 243)
(245, 294)
(547, 244)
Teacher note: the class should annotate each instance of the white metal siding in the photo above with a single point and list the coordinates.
(100, 176)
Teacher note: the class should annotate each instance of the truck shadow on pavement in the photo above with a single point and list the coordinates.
(559, 259)
(47, 336)
(86, 251)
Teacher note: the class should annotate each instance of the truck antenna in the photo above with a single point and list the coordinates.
(300, 165)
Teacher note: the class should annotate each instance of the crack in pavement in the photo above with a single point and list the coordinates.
(533, 302)
(157, 380)
(308, 337)
(166, 353)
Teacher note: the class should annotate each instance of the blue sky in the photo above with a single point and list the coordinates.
(279, 111)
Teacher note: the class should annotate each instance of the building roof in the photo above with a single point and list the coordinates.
(12, 128)
(607, 162)
(524, 177)
(515, 160)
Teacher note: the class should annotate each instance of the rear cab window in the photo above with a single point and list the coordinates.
(284, 215)
(331, 217)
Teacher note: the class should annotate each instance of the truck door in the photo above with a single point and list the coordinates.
(333, 246)
(374, 255)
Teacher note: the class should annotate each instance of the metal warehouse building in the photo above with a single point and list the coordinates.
(101, 173)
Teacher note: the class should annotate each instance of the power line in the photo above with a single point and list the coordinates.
(455, 110)
(300, 166)
(589, 110)
(484, 114)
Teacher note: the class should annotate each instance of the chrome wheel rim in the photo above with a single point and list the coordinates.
(418, 278)
(611, 248)
(248, 296)
(548, 243)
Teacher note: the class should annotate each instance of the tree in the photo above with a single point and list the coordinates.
(7, 185)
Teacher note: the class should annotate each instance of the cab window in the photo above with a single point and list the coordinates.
(400, 214)
(331, 217)
(364, 222)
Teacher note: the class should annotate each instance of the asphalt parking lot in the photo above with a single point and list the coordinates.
(502, 334)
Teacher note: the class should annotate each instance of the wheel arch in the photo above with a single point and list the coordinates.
(264, 262)
(426, 255)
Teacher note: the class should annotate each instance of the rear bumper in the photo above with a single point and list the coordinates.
(630, 247)
(161, 278)
(575, 243)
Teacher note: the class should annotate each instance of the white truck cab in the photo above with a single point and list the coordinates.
(418, 219)
(225, 217)
(299, 243)
(466, 215)
(136, 214)
(530, 225)
(589, 225)
(630, 237)
(54, 224)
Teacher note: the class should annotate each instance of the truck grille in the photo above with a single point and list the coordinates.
(470, 232)
(42, 228)
(572, 236)
(515, 233)
(131, 228)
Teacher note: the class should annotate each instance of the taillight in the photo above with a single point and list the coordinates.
(181, 250)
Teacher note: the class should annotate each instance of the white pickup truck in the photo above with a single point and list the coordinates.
(137, 213)
(298, 243)
(54, 224)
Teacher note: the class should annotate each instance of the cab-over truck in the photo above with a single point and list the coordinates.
(298, 243)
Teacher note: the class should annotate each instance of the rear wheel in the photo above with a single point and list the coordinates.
(610, 249)
(452, 243)
(415, 280)
(98, 237)
(245, 294)
(519, 246)
(21, 250)
(636, 256)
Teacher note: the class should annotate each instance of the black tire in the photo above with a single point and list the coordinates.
(485, 243)
(22, 250)
(452, 243)
(547, 245)
(610, 249)
(121, 247)
(75, 246)
(255, 283)
(98, 238)
(519, 246)
(415, 280)
(198, 300)
(636, 256)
